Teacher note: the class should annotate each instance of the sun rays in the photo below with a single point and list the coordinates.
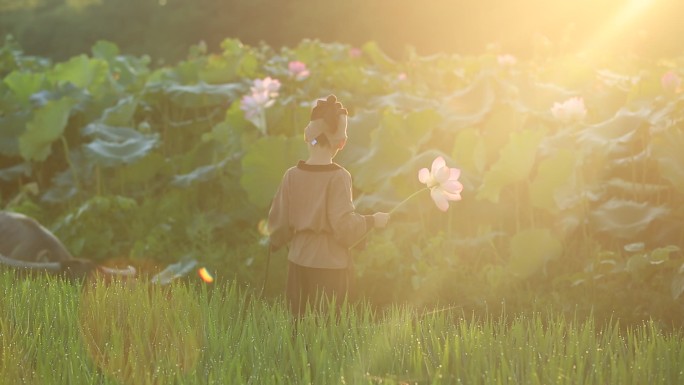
(619, 29)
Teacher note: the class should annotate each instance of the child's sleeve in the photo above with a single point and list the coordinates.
(278, 217)
(347, 225)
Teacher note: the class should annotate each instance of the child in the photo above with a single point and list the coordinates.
(313, 212)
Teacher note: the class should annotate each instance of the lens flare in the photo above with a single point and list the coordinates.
(263, 227)
(204, 274)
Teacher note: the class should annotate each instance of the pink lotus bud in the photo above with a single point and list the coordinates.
(670, 81)
(507, 60)
(570, 110)
(298, 70)
(355, 52)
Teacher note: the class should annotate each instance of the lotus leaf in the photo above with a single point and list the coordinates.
(47, 125)
(662, 254)
(667, 151)
(122, 113)
(625, 187)
(411, 130)
(264, 164)
(469, 106)
(613, 79)
(667, 116)
(360, 80)
(24, 84)
(531, 249)
(624, 218)
(63, 186)
(613, 135)
(677, 286)
(143, 170)
(635, 247)
(495, 275)
(393, 144)
(13, 126)
(228, 68)
(514, 164)
(126, 71)
(80, 96)
(13, 172)
(540, 96)
(81, 72)
(232, 47)
(470, 152)
(203, 95)
(636, 263)
(554, 173)
(361, 124)
(496, 127)
(377, 56)
(115, 146)
(201, 174)
(174, 271)
(105, 50)
(401, 101)
(644, 89)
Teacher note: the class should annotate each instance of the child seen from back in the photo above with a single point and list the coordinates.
(313, 212)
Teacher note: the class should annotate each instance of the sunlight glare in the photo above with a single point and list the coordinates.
(617, 28)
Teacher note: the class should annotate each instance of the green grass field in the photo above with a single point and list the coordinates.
(53, 332)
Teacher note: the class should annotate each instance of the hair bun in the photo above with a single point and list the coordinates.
(329, 110)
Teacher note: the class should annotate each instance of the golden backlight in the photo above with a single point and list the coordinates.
(620, 27)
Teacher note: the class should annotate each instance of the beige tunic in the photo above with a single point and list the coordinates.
(313, 210)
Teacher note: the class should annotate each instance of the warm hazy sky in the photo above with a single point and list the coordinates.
(461, 26)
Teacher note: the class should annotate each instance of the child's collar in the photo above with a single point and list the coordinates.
(302, 165)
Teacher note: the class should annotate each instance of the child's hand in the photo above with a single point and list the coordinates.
(381, 219)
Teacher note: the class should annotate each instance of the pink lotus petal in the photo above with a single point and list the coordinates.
(670, 81)
(437, 164)
(442, 175)
(440, 199)
(355, 52)
(424, 175)
(452, 196)
(452, 186)
(455, 173)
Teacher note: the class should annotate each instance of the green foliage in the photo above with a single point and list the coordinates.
(46, 127)
(265, 162)
(514, 164)
(666, 146)
(87, 235)
(156, 165)
(531, 249)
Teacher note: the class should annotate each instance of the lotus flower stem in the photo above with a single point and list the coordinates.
(67, 155)
(390, 212)
(408, 199)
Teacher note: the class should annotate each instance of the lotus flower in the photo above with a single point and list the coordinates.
(263, 94)
(355, 52)
(253, 104)
(298, 70)
(570, 110)
(670, 81)
(506, 60)
(266, 85)
(442, 182)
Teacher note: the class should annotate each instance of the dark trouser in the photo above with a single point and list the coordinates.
(316, 287)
